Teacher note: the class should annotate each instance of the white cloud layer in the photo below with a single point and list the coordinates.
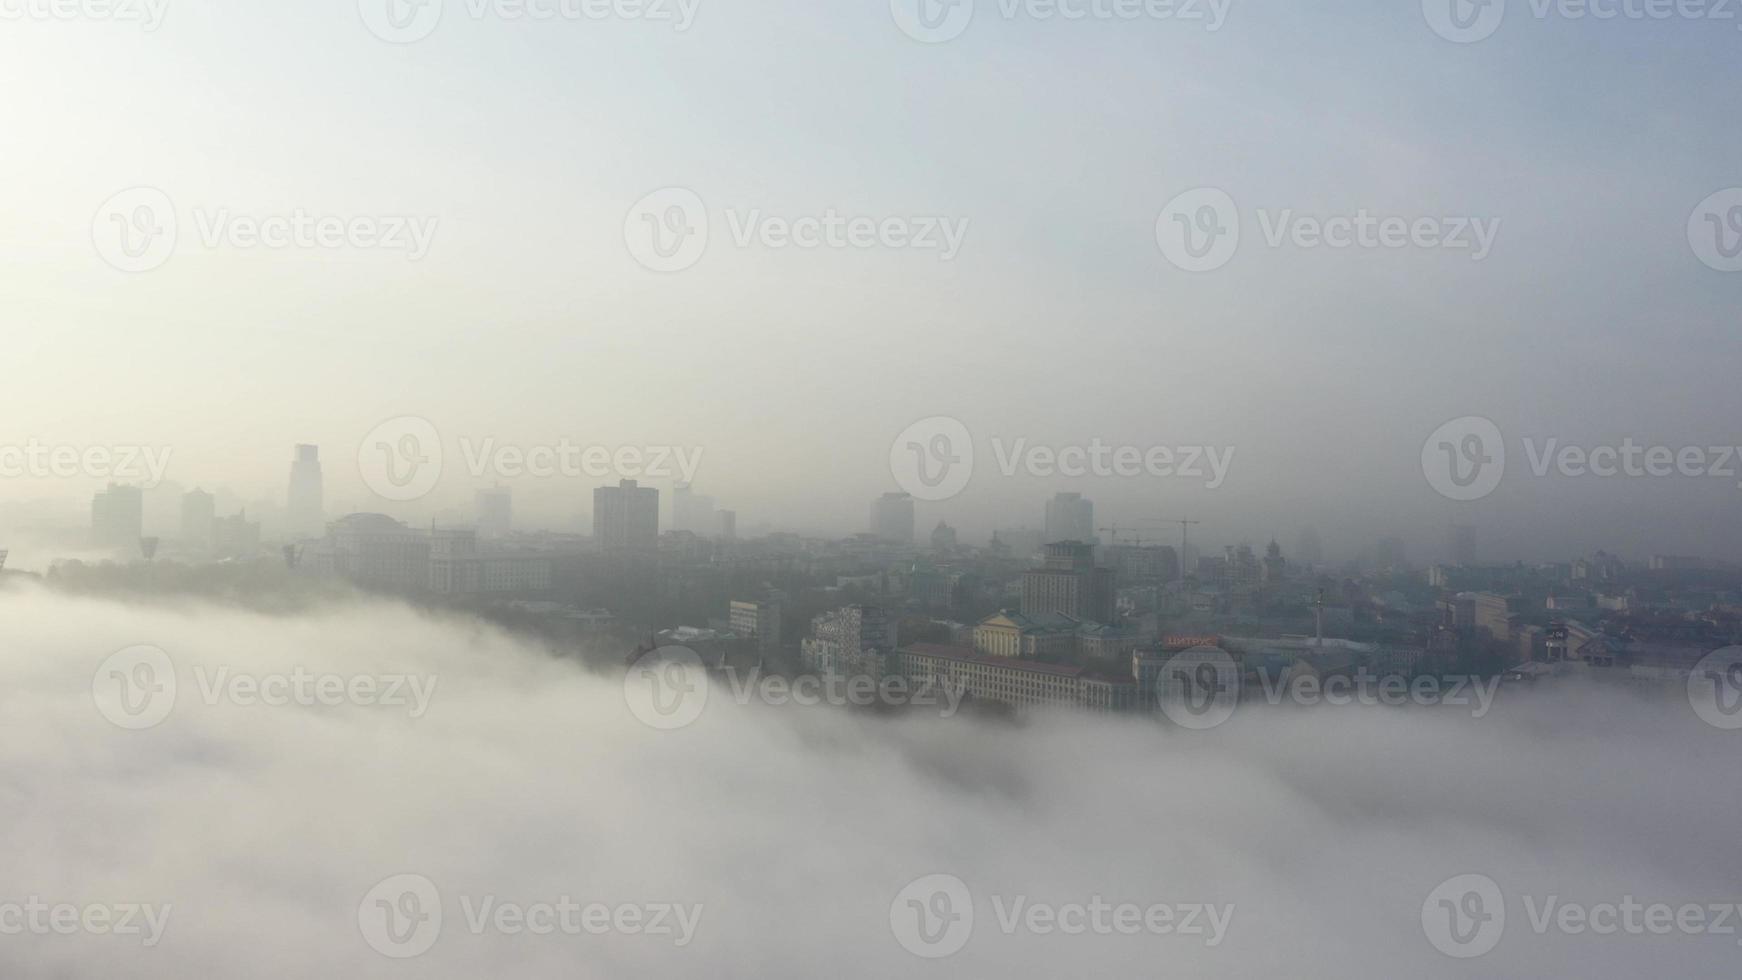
(527, 779)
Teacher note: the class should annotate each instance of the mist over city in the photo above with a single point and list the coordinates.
(939, 487)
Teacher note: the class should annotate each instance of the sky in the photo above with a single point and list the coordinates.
(527, 147)
(261, 835)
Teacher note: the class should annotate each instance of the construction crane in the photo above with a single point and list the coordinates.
(1184, 539)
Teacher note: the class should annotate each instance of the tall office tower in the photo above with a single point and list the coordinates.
(305, 504)
(118, 517)
(892, 517)
(494, 512)
(1070, 518)
(728, 525)
(1390, 553)
(626, 517)
(759, 621)
(1068, 582)
(691, 511)
(199, 513)
(1462, 538)
(682, 499)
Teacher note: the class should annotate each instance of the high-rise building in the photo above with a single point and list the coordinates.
(849, 641)
(1068, 582)
(1462, 541)
(235, 536)
(728, 525)
(118, 517)
(458, 566)
(943, 538)
(757, 621)
(1069, 517)
(494, 512)
(691, 511)
(199, 513)
(892, 517)
(305, 502)
(373, 550)
(626, 517)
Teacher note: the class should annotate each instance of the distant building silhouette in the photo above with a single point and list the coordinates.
(1069, 517)
(199, 511)
(305, 501)
(892, 517)
(118, 517)
(626, 517)
(494, 512)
